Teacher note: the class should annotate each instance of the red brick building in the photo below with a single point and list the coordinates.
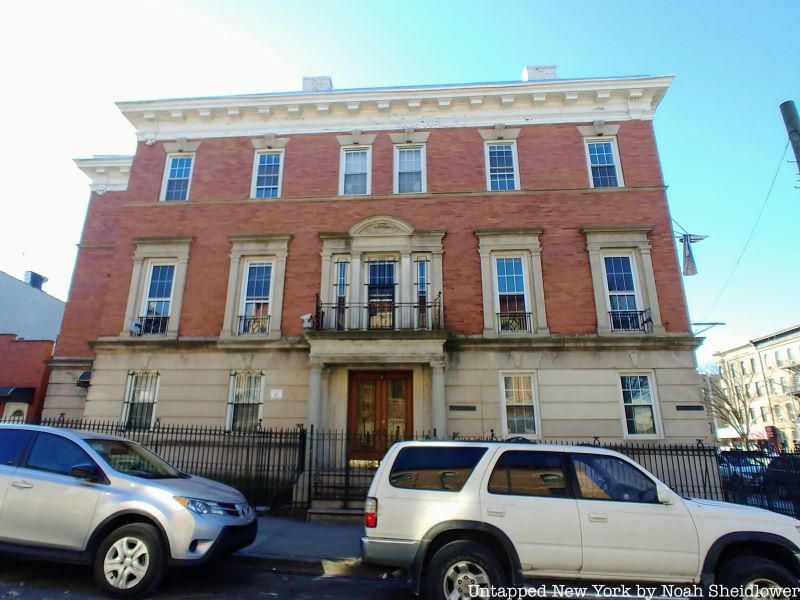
(464, 258)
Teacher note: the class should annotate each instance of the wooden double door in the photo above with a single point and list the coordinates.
(379, 411)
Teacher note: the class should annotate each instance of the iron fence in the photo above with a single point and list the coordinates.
(291, 468)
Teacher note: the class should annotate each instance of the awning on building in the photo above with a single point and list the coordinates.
(84, 379)
(17, 394)
(757, 432)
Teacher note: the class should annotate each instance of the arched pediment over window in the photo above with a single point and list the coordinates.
(381, 225)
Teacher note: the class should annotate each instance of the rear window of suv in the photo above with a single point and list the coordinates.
(442, 469)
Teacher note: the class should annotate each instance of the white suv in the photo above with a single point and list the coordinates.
(106, 501)
(463, 514)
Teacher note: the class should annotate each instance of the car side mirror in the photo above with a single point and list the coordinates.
(87, 472)
(665, 495)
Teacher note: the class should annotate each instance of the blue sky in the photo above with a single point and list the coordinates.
(719, 128)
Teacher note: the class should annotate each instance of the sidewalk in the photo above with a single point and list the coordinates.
(314, 548)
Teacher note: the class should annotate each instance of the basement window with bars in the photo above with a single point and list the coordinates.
(141, 396)
(245, 400)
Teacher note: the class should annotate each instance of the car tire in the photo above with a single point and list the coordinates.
(749, 570)
(457, 566)
(130, 561)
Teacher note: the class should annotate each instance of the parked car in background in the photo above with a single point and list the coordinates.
(782, 480)
(109, 502)
(460, 516)
(741, 473)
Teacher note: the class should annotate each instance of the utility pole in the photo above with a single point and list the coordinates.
(789, 112)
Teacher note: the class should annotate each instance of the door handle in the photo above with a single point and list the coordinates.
(598, 518)
(496, 512)
(22, 485)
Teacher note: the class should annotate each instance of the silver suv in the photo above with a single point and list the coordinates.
(106, 501)
(460, 516)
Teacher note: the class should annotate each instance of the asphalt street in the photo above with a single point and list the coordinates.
(234, 578)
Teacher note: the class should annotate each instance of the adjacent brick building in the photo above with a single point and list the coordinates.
(460, 258)
(29, 323)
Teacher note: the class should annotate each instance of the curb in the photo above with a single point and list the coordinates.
(327, 567)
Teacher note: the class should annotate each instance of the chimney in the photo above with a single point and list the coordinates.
(317, 83)
(535, 73)
(35, 280)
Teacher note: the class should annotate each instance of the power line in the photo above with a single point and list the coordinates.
(752, 232)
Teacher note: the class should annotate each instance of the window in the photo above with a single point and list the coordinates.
(522, 473)
(743, 367)
(512, 313)
(155, 298)
(732, 368)
(639, 405)
(610, 478)
(778, 359)
(141, 395)
(267, 175)
(748, 391)
(784, 385)
(355, 171)
(501, 166)
(752, 365)
(381, 285)
(789, 355)
(623, 310)
(603, 163)
(244, 400)
(760, 388)
(623, 279)
(56, 454)
(778, 413)
(753, 415)
(154, 314)
(380, 275)
(444, 469)
(177, 177)
(254, 302)
(254, 317)
(763, 411)
(12, 443)
(409, 169)
(791, 413)
(518, 404)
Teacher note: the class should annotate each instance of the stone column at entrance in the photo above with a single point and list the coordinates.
(438, 412)
(314, 407)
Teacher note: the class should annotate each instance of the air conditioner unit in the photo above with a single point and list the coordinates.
(135, 327)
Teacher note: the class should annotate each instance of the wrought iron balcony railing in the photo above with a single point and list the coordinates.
(252, 325)
(149, 326)
(631, 320)
(378, 315)
(514, 322)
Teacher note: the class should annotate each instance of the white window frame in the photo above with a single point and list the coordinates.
(165, 178)
(126, 401)
(342, 153)
(513, 144)
(254, 178)
(247, 263)
(537, 417)
(423, 167)
(231, 400)
(656, 405)
(631, 255)
(148, 280)
(615, 153)
(526, 290)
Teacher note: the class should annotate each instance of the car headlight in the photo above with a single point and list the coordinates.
(201, 507)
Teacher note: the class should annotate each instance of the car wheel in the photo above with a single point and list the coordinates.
(753, 574)
(783, 492)
(460, 568)
(130, 561)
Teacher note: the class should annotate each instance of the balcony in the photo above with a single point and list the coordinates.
(378, 315)
(153, 325)
(513, 322)
(631, 320)
(252, 325)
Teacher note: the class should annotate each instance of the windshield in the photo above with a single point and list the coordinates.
(132, 459)
(742, 460)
